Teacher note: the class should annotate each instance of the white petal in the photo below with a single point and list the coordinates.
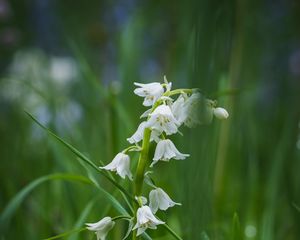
(221, 113)
(138, 135)
(146, 113)
(159, 151)
(153, 201)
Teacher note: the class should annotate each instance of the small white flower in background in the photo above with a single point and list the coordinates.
(150, 91)
(159, 199)
(145, 219)
(120, 164)
(165, 150)
(101, 228)
(162, 119)
(220, 113)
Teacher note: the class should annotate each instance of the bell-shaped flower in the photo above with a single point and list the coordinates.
(150, 91)
(192, 109)
(179, 110)
(220, 113)
(139, 134)
(162, 119)
(145, 219)
(101, 228)
(166, 150)
(159, 199)
(120, 164)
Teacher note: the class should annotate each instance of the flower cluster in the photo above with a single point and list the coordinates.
(163, 118)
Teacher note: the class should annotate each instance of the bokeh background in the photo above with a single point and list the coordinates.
(72, 65)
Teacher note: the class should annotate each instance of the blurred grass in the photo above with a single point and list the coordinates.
(242, 177)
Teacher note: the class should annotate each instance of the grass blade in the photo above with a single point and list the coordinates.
(81, 156)
(19, 198)
(63, 235)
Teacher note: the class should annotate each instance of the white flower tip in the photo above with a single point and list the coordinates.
(130, 140)
(221, 113)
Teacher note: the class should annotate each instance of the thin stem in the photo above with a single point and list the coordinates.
(121, 217)
(139, 177)
(140, 171)
(181, 90)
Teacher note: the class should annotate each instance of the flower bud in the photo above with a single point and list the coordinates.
(220, 113)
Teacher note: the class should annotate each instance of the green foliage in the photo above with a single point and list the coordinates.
(243, 53)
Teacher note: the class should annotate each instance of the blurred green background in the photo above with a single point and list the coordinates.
(72, 64)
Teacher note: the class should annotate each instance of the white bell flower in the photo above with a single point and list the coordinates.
(101, 228)
(159, 199)
(150, 91)
(139, 134)
(146, 113)
(220, 113)
(162, 119)
(145, 219)
(120, 164)
(179, 110)
(191, 110)
(165, 150)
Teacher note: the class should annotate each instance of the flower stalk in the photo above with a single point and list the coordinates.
(163, 118)
(143, 159)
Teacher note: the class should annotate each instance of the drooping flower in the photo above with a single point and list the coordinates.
(150, 91)
(191, 108)
(101, 228)
(159, 199)
(166, 150)
(120, 164)
(179, 110)
(162, 119)
(139, 134)
(220, 113)
(145, 219)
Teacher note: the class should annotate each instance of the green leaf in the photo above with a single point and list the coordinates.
(19, 198)
(81, 156)
(68, 233)
(171, 231)
(82, 218)
(236, 233)
(110, 197)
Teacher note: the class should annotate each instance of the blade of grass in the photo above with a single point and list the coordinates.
(18, 199)
(82, 218)
(66, 234)
(236, 228)
(171, 231)
(81, 156)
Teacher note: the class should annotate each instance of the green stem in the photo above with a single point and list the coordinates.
(181, 90)
(139, 177)
(121, 217)
(140, 171)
